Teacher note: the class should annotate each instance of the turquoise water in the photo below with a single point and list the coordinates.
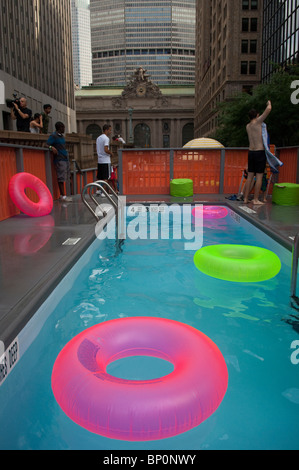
(248, 322)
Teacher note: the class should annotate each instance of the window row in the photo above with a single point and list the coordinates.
(248, 67)
(249, 24)
(123, 52)
(252, 5)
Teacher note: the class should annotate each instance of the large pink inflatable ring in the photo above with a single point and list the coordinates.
(210, 212)
(16, 188)
(134, 410)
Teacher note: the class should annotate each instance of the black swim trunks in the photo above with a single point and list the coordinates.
(257, 161)
(104, 171)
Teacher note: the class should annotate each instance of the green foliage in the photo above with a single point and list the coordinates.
(282, 123)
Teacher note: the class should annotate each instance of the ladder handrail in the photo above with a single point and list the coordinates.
(99, 185)
(295, 266)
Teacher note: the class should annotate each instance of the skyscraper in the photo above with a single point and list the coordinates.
(81, 42)
(36, 57)
(228, 55)
(158, 36)
(281, 34)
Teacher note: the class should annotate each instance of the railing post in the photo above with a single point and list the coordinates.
(19, 160)
(171, 164)
(48, 168)
(222, 167)
(295, 266)
(120, 171)
(74, 172)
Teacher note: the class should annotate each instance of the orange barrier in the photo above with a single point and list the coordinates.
(201, 166)
(146, 172)
(288, 172)
(8, 168)
(235, 163)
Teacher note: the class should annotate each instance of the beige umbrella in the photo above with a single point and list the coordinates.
(204, 142)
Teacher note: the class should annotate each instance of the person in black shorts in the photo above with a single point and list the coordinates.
(256, 156)
(104, 156)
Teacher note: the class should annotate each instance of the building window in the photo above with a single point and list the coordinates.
(94, 131)
(254, 4)
(244, 68)
(253, 24)
(244, 48)
(253, 46)
(245, 25)
(166, 141)
(245, 4)
(252, 68)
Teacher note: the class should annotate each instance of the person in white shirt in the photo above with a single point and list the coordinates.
(104, 155)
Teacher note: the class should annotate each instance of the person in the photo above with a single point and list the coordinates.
(256, 154)
(120, 139)
(22, 115)
(36, 124)
(46, 119)
(57, 145)
(104, 156)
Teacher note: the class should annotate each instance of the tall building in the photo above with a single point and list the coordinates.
(158, 36)
(281, 34)
(81, 42)
(228, 55)
(36, 58)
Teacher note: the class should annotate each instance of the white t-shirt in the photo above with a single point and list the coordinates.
(102, 142)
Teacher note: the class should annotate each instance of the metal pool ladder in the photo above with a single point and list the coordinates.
(99, 185)
(295, 270)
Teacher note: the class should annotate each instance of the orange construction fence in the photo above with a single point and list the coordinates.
(213, 171)
(145, 171)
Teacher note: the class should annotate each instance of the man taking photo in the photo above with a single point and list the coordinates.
(22, 115)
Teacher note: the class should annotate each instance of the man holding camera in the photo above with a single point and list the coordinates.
(21, 114)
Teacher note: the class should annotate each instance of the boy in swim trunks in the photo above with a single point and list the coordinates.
(256, 156)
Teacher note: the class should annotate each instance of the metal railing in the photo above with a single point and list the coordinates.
(295, 269)
(100, 186)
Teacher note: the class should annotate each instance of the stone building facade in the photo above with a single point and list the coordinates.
(228, 55)
(36, 59)
(144, 114)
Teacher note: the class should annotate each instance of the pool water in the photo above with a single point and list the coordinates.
(249, 322)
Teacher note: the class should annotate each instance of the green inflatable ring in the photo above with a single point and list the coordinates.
(237, 263)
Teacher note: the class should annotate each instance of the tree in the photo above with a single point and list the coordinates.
(283, 121)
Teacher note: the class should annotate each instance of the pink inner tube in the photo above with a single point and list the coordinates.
(135, 410)
(210, 212)
(16, 188)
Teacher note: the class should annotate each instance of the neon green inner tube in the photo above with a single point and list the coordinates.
(237, 263)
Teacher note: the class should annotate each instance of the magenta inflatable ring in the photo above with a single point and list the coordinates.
(134, 410)
(210, 212)
(16, 188)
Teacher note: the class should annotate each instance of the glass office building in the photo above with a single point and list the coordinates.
(81, 42)
(156, 35)
(281, 34)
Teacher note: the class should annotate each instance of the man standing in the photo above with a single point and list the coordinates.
(22, 115)
(57, 145)
(46, 119)
(256, 155)
(104, 155)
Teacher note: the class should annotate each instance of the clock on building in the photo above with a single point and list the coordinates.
(141, 90)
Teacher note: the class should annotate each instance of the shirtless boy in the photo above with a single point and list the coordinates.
(256, 155)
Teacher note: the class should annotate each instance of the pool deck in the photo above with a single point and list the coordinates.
(34, 257)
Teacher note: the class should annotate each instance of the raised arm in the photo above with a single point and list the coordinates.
(265, 113)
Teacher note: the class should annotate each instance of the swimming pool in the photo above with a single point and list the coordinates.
(247, 321)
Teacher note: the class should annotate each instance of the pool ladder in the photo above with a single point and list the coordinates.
(294, 298)
(99, 185)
